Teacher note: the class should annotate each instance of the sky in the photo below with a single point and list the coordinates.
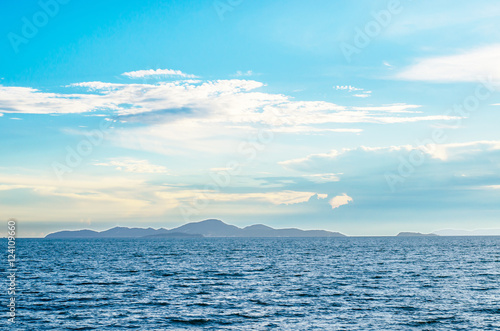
(366, 117)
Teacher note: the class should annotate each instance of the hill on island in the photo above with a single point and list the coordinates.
(206, 228)
(416, 234)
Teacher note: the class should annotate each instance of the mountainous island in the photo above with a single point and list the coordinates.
(206, 228)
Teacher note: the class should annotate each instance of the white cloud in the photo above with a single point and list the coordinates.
(108, 197)
(133, 165)
(276, 198)
(470, 66)
(287, 197)
(347, 88)
(292, 163)
(120, 197)
(323, 178)
(201, 115)
(340, 200)
(247, 73)
(32, 101)
(391, 108)
(382, 156)
(492, 187)
(362, 95)
(157, 72)
(455, 151)
(298, 129)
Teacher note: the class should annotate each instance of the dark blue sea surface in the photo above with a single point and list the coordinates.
(383, 283)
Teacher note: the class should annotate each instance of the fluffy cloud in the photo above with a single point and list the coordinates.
(232, 101)
(340, 200)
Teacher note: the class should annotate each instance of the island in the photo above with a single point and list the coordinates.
(206, 228)
(416, 234)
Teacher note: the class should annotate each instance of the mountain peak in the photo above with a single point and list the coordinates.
(257, 227)
(210, 228)
(416, 234)
(211, 220)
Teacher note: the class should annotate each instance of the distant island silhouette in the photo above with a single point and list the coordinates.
(206, 228)
(217, 228)
(416, 234)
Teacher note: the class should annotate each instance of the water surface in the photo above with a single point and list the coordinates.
(383, 283)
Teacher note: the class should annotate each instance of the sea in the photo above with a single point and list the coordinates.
(353, 283)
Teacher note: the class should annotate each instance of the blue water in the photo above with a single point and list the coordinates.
(259, 284)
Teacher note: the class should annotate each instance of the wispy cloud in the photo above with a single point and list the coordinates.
(14, 99)
(348, 88)
(323, 178)
(157, 72)
(468, 66)
(133, 165)
(365, 94)
(443, 16)
(277, 198)
(382, 157)
(462, 150)
(108, 197)
(247, 73)
(392, 108)
(362, 93)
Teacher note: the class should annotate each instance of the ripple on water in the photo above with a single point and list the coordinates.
(259, 284)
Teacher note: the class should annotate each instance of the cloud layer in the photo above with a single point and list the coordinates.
(233, 101)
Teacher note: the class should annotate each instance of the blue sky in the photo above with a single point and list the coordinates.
(367, 117)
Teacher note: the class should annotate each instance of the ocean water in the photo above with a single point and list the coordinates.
(385, 283)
